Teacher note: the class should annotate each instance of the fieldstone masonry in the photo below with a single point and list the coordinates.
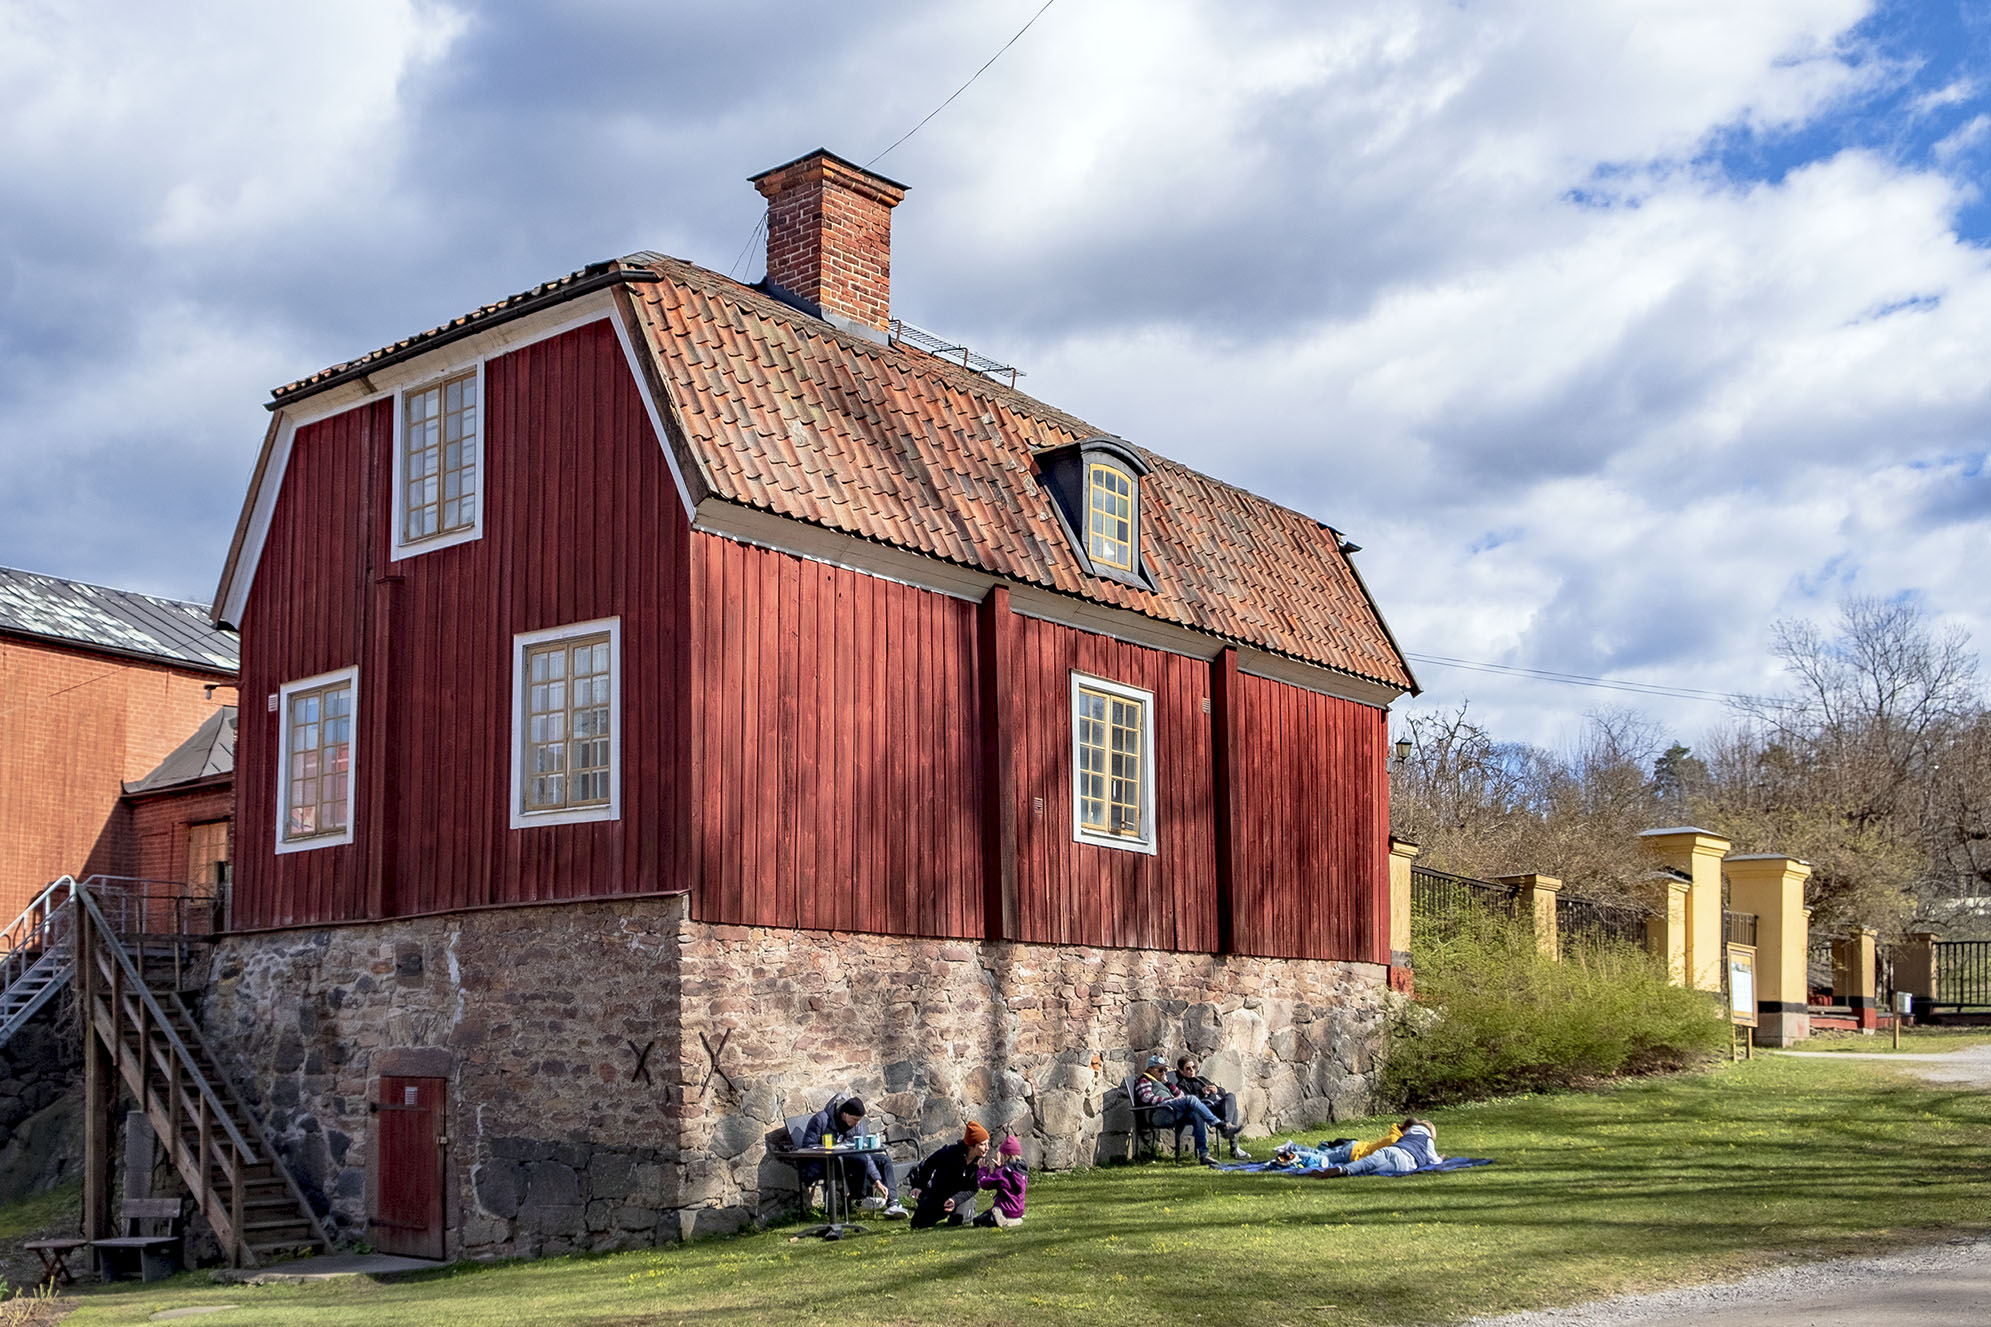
(615, 1068)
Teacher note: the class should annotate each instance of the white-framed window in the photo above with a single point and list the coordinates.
(1113, 764)
(567, 724)
(1112, 506)
(439, 472)
(317, 723)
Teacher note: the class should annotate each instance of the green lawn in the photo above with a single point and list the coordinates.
(1654, 1183)
(1921, 1041)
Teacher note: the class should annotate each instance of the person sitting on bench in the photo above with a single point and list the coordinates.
(943, 1186)
(1222, 1104)
(871, 1174)
(1152, 1088)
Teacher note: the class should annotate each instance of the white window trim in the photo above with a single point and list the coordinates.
(1145, 843)
(349, 676)
(402, 548)
(520, 817)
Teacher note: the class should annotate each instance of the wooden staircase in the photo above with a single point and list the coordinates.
(148, 1038)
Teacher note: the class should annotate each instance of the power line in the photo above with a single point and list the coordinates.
(1584, 680)
(761, 225)
(964, 87)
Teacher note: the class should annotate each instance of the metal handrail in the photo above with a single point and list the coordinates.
(144, 994)
(28, 934)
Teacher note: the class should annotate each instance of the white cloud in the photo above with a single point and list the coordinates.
(1327, 251)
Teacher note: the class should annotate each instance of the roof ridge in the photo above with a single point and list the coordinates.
(757, 300)
(110, 589)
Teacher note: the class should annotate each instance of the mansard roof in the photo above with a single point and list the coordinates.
(777, 410)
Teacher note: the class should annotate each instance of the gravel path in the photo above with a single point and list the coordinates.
(1942, 1285)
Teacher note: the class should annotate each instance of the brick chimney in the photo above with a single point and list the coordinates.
(829, 240)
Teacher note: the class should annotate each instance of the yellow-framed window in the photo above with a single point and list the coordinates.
(318, 726)
(439, 455)
(568, 722)
(1112, 763)
(1110, 503)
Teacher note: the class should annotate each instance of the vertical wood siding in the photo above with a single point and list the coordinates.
(582, 521)
(1309, 833)
(802, 745)
(837, 748)
(1078, 893)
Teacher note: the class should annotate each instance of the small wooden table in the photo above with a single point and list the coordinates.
(836, 1198)
(54, 1254)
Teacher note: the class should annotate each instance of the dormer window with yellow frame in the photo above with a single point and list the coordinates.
(1095, 488)
(1112, 504)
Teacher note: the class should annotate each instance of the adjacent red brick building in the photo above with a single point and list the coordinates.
(97, 686)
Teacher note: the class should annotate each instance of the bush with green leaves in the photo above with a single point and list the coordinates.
(1493, 1016)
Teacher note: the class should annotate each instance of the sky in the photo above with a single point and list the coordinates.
(1613, 333)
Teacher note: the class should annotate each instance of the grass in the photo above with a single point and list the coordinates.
(55, 1209)
(1655, 1182)
(1918, 1041)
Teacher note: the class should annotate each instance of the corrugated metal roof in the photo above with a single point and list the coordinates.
(96, 617)
(209, 753)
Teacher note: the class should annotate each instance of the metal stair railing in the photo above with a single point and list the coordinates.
(35, 956)
(164, 1074)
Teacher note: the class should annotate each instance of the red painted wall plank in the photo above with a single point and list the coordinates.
(582, 521)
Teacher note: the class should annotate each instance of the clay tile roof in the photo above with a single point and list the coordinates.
(124, 622)
(785, 413)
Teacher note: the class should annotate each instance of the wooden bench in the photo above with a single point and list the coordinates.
(154, 1254)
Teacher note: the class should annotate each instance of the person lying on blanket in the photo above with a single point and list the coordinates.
(1412, 1145)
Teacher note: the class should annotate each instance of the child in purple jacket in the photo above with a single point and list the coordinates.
(1008, 1179)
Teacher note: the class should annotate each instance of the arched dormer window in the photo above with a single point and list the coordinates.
(1096, 487)
(1113, 509)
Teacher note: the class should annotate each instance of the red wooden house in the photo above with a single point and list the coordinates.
(860, 720)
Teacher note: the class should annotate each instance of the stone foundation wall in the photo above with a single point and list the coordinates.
(536, 1016)
(1031, 1038)
(540, 1017)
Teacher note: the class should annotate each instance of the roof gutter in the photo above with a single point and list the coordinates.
(468, 327)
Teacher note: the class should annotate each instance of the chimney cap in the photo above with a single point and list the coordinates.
(887, 190)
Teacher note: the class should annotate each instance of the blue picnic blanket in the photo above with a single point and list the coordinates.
(1449, 1163)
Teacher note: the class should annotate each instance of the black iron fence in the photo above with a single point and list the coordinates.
(1738, 928)
(1582, 921)
(1441, 900)
(1963, 974)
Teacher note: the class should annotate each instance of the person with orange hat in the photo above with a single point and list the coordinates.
(943, 1186)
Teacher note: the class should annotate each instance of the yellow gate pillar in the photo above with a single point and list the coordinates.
(1696, 854)
(1772, 886)
(1536, 899)
(1855, 975)
(1666, 932)
(1403, 856)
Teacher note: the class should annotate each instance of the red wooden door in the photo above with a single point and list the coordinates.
(408, 1166)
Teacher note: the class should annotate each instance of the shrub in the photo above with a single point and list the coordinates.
(1494, 1016)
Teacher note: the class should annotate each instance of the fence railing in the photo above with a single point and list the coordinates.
(1580, 921)
(1963, 973)
(1738, 928)
(1441, 899)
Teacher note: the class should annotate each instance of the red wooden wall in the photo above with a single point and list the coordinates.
(836, 717)
(802, 745)
(1079, 893)
(1309, 825)
(582, 521)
